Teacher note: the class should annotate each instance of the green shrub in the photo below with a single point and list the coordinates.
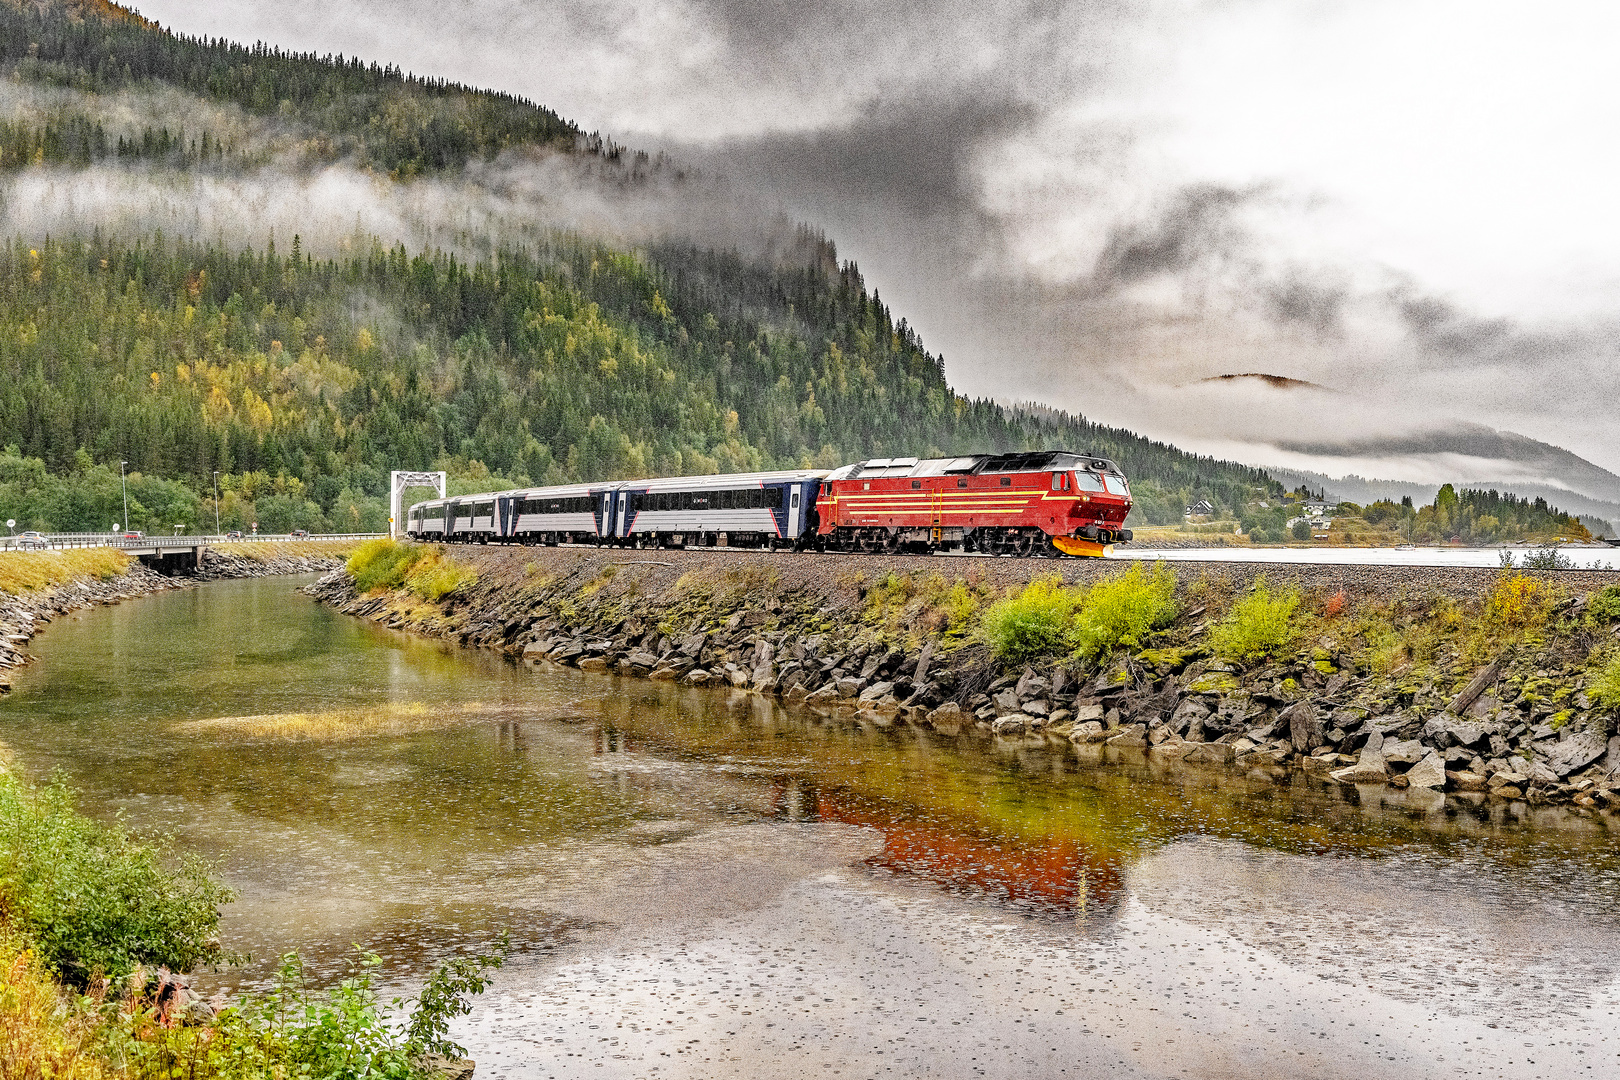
(91, 898)
(383, 563)
(1259, 625)
(1603, 608)
(1548, 558)
(296, 1030)
(1605, 689)
(1302, 530)
(1034, 622)
(1123, 610)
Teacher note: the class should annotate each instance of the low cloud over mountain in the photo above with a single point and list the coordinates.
(1096, 205)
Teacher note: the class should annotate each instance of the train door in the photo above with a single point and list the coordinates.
(505, 515)
(606, 526)
(624, 515)
(795, 494)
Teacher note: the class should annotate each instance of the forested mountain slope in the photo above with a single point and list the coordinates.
(302, 379)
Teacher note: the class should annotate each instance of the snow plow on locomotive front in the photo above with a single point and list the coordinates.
(1039, 503)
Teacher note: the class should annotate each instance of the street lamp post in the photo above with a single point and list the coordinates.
(125, 485)
(216, 502)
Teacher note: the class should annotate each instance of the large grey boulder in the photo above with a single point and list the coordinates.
(1006, 703)
(1129, 735)
(1577, 752)
(876, 691)
(763, 656)
(1085, 714)
(920, 673)
(1446, 730)
(1016, 724)
(849, 686)
(1030, 685)
(1540, 773)
(1370, 767)
(1187, 713)
(1510, 777)
(1400, 751)
(1428, 773)
(1088, 732)
(1304, 727)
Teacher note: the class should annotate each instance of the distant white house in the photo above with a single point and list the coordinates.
(1315, 508)
(1201, 508)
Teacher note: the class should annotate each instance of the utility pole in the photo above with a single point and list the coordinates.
(125, 485)
(216, 502)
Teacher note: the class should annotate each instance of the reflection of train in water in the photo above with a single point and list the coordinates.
(1052, 875)
(1047, 502)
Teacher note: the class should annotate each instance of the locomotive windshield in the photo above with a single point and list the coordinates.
(1088, 481)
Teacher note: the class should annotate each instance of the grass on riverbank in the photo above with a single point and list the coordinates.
(265, 551)
(87, 912)
(30, 571)
(427, 570)
(390, 718)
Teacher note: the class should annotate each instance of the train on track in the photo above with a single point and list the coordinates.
(1049, 502)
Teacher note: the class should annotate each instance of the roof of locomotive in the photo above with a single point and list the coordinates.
(973, 464)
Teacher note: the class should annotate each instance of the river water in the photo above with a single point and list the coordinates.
(699, 884)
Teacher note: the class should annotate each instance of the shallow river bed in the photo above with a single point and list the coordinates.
(699, 884)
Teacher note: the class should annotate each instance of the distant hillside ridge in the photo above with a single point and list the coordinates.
(376, 115)
(1362, 490)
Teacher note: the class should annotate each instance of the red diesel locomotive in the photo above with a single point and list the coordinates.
(1047, 502)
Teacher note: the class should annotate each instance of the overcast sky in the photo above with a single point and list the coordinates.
(1408, 203)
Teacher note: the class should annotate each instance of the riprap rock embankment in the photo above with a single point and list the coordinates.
(872, 638)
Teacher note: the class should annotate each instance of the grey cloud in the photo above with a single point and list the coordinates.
(915, 157)
(1196, 225)
(1299, 299)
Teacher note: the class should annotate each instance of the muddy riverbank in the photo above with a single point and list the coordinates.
(1406, 677)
